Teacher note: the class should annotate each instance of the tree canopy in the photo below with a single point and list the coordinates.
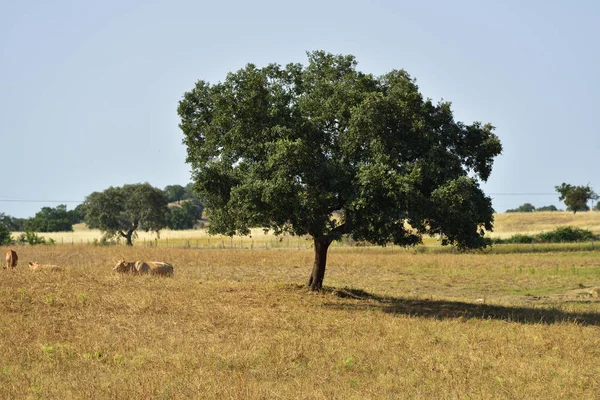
(527, 207)
(174, 193)
(50, 219)
(576, 197)
(286, 147)
(122, 211)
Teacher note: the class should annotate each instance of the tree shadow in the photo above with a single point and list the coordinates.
(444, 309)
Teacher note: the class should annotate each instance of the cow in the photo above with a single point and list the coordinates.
(124, 267)
(35, 266)
(11, 259)
(154, 268)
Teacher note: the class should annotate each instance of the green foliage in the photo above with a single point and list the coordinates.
(50, 220)
(184, 217)
(285, 148)
(547, 208)
(77, 215)
(33, 239)
(13, 224)
(5, 238)
(564, 234)
(121, 211)
(178, 219)
(527, 207)
(174, 193)
(576, 197)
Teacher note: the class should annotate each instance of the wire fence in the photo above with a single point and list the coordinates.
(304, 243)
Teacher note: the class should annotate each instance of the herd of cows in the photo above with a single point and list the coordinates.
(132, 267)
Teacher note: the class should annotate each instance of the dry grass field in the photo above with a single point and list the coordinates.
(237, 324)
(505, 225)
(508, 224)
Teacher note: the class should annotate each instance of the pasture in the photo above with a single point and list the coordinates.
(505, 225)
(237, 324)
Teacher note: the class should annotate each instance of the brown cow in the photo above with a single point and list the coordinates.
(125, 267)
(34, 266)
(144, 267)
(154, 268)
(11, 259)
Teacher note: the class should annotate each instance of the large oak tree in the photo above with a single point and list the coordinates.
(326, 150)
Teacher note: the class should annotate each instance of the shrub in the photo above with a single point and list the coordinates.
(563, 234)
(33, 239)
(566, 234)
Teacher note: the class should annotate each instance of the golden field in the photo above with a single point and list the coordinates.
(238, 324)
(505, 225)
(508, 224)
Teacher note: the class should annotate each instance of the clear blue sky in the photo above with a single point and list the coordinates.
(89, 90)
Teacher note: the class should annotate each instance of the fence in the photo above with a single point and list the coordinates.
(304, 243)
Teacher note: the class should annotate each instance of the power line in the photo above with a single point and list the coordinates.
(523, 194)
(5, 200)
(39, 201)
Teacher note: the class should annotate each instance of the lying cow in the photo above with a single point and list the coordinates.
(11, 259)
(154, 268)
(144, 267)
(34, 266)
(124, 267)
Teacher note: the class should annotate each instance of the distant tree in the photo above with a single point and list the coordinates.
(178, 219)
(185, 216)
(527, 207)
(193, 208)
(189, 192)
(286, 148)
(174, 193)
(547, 208)
(5, 237)
(576, 197)
(13, 224)
(50, 220)
(77, 215)
(122, 211)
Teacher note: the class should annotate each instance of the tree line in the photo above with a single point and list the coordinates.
(576, 198)
(116, 210)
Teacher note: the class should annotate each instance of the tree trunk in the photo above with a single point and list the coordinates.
(127, 237)
(315, 282)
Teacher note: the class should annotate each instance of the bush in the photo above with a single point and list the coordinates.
(33, 239)
(563, 234)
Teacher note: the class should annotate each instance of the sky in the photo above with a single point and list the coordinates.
(89, 90)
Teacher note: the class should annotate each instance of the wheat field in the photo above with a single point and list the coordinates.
(238, 324)
(505, 225)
